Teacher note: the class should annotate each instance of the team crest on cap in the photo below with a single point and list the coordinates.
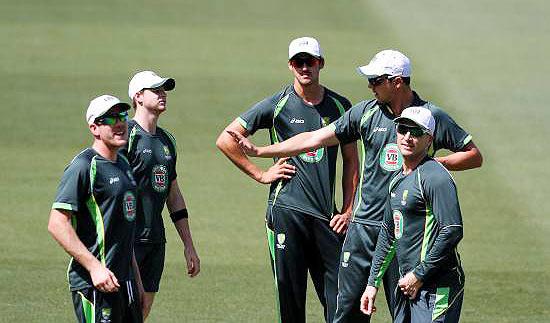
(397, 224)
(390, 158)
(129, 206)
(313, 156)
(159, 178)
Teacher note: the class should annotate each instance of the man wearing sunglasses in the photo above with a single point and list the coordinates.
(371, 121)
(93, 219)
(303, 227)
(422, 227)
(151, 151)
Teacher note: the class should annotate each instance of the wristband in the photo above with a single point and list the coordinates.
(178, 215)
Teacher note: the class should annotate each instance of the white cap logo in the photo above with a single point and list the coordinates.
(306, 45)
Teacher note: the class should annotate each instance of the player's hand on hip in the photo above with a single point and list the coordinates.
(104, 279)
(246, 145)
(367, 300)
(193, 261)
(410, 285)
(339, 222)
(280, 170)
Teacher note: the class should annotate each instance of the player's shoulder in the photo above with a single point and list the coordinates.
(167, 135)
(433, 173)
(82, 160)
(338, 97)
(366, 109)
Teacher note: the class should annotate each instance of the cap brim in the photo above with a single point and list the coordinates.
(367, 71)
(298, 53)
(168, 84)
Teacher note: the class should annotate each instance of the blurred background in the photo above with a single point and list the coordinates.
(484, 62)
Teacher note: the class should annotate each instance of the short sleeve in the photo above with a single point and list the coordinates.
(448, 134)
(348, 127)
(74, 186)
(260, 116)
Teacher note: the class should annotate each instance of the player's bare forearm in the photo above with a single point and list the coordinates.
(350, 175)
(470, 157)
(60, 228)
(303, 142)
(230, 148)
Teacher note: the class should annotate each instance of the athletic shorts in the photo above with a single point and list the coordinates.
(150, 259)
(122, 306)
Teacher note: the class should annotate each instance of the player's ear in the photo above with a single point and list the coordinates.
(321, 63)
(290, 66)
(94, 129)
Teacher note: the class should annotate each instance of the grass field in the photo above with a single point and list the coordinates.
(485, 62)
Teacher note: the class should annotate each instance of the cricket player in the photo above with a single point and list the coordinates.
(151, 151)
(93, 219)
(371, 121)
(303, 226)
(422, 227)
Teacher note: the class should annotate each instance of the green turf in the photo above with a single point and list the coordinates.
(485, 62)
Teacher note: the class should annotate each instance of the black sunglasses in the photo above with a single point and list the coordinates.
(375, 81)
(112, 119)
(413, 130)
(299, 61)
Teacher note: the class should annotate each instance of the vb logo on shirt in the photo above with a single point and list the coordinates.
(159, 178)
(313, 156)
(397, 224)
(129, 206)
(390, 158)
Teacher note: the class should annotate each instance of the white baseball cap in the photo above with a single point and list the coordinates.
(387, 62)
(149, 80)
(101, 105)
(307, 45)
(420, 116)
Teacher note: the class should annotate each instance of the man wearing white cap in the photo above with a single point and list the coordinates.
(371, 121)
(93, 219)
(303, 227)
(422, 227)
(151, 151)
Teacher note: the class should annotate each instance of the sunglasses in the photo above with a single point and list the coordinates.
(375, 81)
(112, 119)
(301, 60)
(415, 132)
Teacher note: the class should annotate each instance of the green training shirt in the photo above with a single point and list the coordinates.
(153, 161)
(285, 114)
(372, 123)
(422, 226)
(101, 195)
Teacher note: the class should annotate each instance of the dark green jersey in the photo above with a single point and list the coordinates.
(422, 226)
(101, 195)
(285, 114)
(372, 123)
(153, 160)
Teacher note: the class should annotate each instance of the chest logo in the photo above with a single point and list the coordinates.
(294, 120)
(281, 241)
(313, 156)
(159, 178)
(325, 121)
(129, 206)
(390, 158)
(167, 154)
(397, 224)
